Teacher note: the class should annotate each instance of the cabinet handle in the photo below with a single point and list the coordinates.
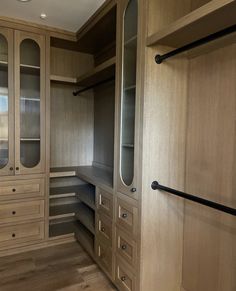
(17, 168)
(133, 190)
(123, 247)
(124, 215)
(11, 168)
(13, 212)
(123, 278)
(13, 235)
(13, 190)
(103, 229)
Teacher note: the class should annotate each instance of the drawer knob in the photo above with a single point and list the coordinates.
(123, 278)
(13, 190)
(103, 229)
(103, 203)
(11, 168)
(13, 212)
(123, 247)
(13, 235)
(124, 215)
(133, 190)
(17, 168)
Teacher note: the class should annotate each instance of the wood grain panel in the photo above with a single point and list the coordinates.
(164, 161)
(210, 236)
(71, 127)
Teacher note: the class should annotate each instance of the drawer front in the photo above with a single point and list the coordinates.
(13, 212)
(126, 248)
(104, 256)
(104, 228)
(127, 216)
(22, 188)
(21, 233)
(104, 202)
(125, 279)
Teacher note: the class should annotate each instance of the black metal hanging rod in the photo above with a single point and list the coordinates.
(93, 86)
(156, 186)
(160, 58)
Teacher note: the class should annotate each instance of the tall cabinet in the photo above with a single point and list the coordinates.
(22, 125)
(22, 139)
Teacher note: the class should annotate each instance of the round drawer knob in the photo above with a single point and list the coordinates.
(14, 190)
(103, 203)
(103, 229)
(13, 212)
(17, 168)
(133, 190)
(123, 278)
(124, 215)
(11, 168)
(13, 235)
(124, 247)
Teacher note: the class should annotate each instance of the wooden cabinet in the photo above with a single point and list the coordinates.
(22, 103)
(7, 155)
(127, 111)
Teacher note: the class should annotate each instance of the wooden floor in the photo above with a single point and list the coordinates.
(65, 268)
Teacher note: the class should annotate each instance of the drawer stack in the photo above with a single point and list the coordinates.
(21, 212)
(104, 230)
(126, 243)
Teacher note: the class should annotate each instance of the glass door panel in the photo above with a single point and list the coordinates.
(128, 92)
(29, 103)
(4, 103)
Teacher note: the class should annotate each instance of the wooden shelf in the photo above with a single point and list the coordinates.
(85, 238)
(86, 216)
(66, 210)
(210, 18)
(61, 192)
(99, 31)
(96, 176)
(86, 194)
(30, 139)
(63, 80)
(63, 228)
(29, 99)
(63, 172)
(100, 73)
(29, 69)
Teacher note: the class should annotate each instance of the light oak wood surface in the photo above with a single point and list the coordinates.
(65, 268)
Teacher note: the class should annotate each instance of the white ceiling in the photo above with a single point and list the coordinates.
(65, 14)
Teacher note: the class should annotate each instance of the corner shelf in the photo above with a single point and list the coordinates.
(86, 194)
(85, 238)
(62, 229)
(197, 24)
(98, 74)
(63, 172)
(61, 211)
(63, 80)
(62, 192)
(86, 216)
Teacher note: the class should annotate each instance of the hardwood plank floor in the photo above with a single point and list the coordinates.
(61, 268)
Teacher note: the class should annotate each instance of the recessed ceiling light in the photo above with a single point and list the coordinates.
(43, 16)
(24, 0)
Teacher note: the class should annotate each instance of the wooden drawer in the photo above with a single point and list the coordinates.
(124, 278)
(13, 212)
(22, 188)
(127, 216)
(104, 256)
(104, 202)
(126, 248)
(21, 233)
(104, 228)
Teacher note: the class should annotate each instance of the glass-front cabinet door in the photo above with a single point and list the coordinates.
(6, 103)
(127, 178)
(29, 102)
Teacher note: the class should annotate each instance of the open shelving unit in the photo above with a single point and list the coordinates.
(197, 24)
(100, 73)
